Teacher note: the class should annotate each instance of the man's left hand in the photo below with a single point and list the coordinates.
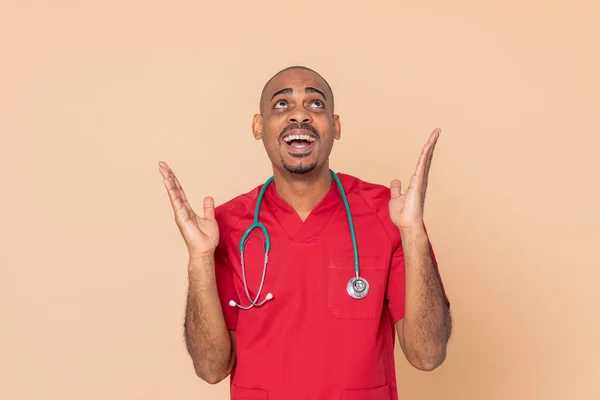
(406, 209)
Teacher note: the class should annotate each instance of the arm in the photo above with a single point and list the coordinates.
(209, 343)
(424, 326)
(424, 331)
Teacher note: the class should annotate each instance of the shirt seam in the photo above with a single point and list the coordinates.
(391, 240)
(227, 234)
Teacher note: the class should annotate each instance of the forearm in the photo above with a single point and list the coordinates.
(427, 324)
(206, 335)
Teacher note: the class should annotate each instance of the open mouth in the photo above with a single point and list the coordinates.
(299, 143)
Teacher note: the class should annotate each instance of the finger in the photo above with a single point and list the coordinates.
(167, 178)
(209, 208)
(414, 181)
(164, 171)
(420, 169)
(433, 138)
(182, 213)
(178, 198)
(177, 186)
(395, 188)
(181, 208)
(173, 194)
(182, 194)
(432, 141)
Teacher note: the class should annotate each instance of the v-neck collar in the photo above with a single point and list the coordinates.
(307, 231)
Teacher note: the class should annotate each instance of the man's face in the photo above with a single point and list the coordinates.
(297, 124)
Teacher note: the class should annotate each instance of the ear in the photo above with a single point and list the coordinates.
(257, 126)
(337, 127)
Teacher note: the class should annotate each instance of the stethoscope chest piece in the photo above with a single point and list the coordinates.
(357, 287)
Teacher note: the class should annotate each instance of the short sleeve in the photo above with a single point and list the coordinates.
(396, 287)
(226, 288)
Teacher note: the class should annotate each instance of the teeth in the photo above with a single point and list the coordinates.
(308, 138)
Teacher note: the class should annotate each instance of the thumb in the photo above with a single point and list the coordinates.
(209, 208)
(395, 187)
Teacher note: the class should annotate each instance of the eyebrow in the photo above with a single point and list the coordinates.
(289, 91)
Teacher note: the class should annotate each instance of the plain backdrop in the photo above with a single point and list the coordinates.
(94, 94)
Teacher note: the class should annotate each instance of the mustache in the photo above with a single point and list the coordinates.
(307, 127)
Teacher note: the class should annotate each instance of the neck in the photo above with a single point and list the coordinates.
(303, 192)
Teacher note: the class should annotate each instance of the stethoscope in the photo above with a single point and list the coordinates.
(357, 287)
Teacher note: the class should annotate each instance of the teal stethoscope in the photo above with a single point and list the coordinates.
(357, 287)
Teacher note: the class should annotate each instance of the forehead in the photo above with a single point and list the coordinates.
(297, 79)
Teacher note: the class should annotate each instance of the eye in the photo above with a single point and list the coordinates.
(317, 103)
(280, 104)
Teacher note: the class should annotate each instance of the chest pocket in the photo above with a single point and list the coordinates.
(239, 393)
(341, 270)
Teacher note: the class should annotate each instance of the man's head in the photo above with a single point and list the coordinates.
(296, 121)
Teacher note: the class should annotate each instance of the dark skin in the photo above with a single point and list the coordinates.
(297, 97)
(301, 99)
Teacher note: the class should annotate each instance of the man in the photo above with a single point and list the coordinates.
(300, 326)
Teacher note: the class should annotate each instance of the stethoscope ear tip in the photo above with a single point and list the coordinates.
(269, 296)
(232, 303)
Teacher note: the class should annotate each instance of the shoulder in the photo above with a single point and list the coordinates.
(376, 195)
(229, 213)
(372, 197)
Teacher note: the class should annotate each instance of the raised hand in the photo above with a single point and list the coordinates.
(201, 234)
(406, 209)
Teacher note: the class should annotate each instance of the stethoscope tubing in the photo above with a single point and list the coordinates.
(350, 223)
(262, 281)
(267, 246)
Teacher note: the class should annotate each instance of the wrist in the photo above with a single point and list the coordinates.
(412, 231)
(201, 261)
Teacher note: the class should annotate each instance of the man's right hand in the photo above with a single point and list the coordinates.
(201, 234)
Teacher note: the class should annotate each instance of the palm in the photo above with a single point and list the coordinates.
(200, 233)
(208, 236)
(406, 208)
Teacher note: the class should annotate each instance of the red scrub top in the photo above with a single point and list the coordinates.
(312, 340)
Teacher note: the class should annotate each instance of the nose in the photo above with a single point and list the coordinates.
(299, 116)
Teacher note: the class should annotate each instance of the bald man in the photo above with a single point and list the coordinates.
(299, 287)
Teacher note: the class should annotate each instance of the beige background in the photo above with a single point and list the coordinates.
(93, 95)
